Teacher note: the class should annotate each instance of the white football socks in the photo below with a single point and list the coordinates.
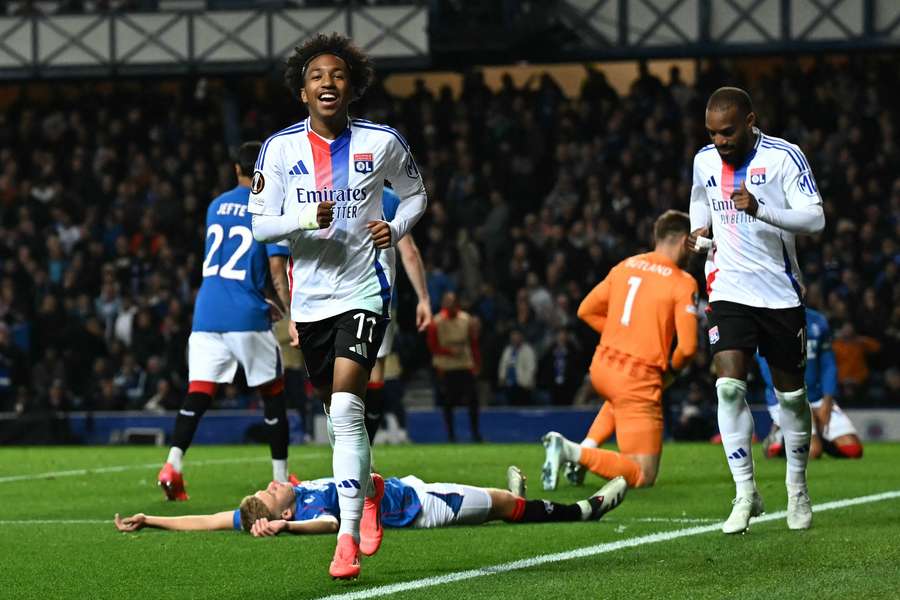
(736, 427)
(350, 459)
(796, 424)
(280, 469)
(176, 454)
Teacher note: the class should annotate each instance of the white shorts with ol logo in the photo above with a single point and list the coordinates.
(215, 356)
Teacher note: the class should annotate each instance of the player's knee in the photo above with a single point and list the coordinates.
(346, 410)
(197, 402)
(273, 388)
(730, 391)
(794, 401)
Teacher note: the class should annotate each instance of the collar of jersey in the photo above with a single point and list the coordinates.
(333, 145)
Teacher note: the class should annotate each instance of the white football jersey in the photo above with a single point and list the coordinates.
(337, 269)
(751, 262)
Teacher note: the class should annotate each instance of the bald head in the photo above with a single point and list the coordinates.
(725, 98)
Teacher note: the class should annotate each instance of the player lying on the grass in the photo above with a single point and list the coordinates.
(832, 430)
(312, 507)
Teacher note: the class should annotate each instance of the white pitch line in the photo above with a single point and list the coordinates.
(55, 522)
(653, 538)
(119, 468)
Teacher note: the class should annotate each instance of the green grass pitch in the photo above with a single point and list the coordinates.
(57, 539)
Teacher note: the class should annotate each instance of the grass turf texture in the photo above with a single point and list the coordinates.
(849, 552)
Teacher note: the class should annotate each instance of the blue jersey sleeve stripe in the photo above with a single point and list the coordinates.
(705, 148)
(384, 128)
(236, 519)
(261, 159)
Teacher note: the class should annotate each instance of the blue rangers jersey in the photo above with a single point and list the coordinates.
(399, 507)
(235, 267)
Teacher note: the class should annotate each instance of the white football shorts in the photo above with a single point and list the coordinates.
(445, 504)
(215, 356)
(839, 424)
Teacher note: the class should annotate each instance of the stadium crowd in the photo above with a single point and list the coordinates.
(533, 198)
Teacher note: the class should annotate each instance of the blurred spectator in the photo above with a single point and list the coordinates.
(456, 357)
(517, 370)
(851, 352)
(533, 196)
(13, 370)
(130, 381)
(561, 369)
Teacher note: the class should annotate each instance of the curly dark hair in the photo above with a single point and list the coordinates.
(361, 71)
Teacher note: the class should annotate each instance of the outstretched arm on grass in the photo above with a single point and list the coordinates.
(220, 520)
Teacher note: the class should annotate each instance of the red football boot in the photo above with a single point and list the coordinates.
(370, 529)
(172, 483)
(345, 564)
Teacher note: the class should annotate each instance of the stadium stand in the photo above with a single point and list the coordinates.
(533, 197)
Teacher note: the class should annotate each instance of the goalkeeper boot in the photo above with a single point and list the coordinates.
(575, 473)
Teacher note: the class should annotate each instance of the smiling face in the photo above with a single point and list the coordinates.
(279, 498)
(326, 87)
(731, 132)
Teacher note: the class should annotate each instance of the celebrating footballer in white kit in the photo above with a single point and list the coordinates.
(319, 184)
(752, 193)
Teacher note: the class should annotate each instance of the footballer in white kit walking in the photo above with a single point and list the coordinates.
(752, 193)
(319, 184)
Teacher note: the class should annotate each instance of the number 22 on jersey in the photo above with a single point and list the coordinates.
(227, 270)
(633, 284)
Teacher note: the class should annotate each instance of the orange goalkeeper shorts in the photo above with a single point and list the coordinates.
(635, 392)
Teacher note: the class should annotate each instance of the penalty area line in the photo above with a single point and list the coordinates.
(653, 538)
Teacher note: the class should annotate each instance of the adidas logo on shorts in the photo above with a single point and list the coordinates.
(360, 349)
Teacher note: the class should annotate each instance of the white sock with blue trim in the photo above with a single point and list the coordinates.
(796, 424)
(736, 427)
(350, 459)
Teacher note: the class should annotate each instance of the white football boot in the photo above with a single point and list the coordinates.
(743, 507)
(516, 481)
(799, 510)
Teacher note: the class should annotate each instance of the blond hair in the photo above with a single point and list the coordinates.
(252, 508)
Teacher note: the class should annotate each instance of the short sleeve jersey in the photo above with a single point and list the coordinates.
(751, 262)
(337, 269)
(235, 268)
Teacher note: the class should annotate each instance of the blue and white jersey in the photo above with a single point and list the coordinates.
(751, 262)
(821, 368)
(337, 269)
(399, 507)
(235, 268)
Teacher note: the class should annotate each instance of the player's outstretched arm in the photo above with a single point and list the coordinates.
(220, 520)
(267, 528)
(415, 270)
